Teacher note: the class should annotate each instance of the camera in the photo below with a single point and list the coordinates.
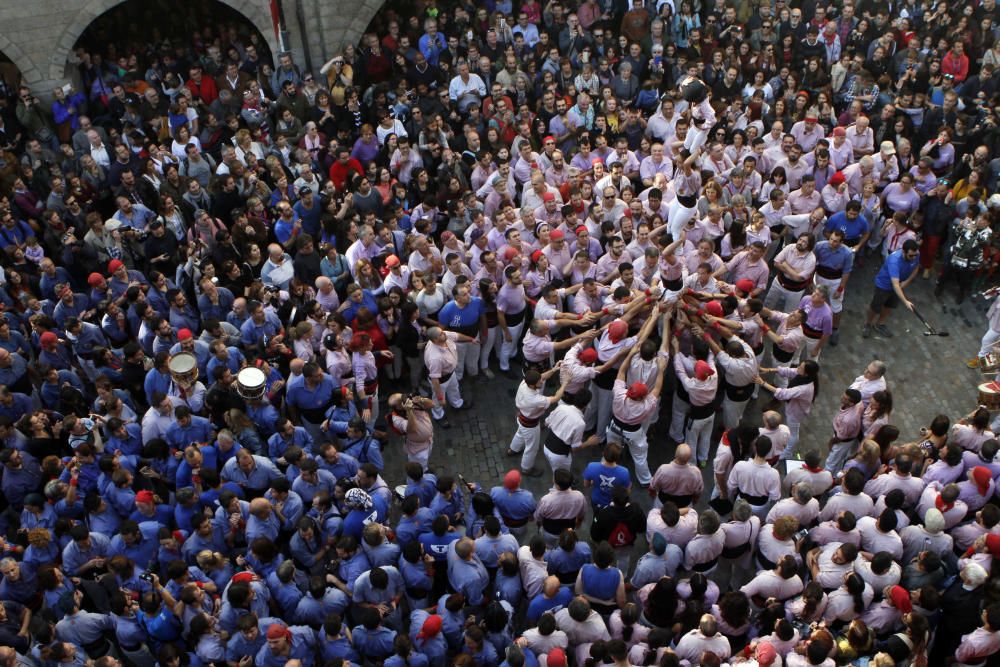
(146, 576)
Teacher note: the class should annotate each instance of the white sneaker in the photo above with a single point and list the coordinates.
(488, 373)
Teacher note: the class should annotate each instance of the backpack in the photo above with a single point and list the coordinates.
(621, 535)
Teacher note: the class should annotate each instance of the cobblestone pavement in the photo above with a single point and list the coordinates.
(927, 376)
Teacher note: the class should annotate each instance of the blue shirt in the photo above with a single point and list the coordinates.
(853, 229)
(374, 644)
(276, 444)
(463, 320)
(199, 430)
(541, 604)
(605, 479)
(411, 528)
(895, 266)
(252, 333)
(841, 259)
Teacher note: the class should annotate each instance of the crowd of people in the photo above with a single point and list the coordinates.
(232, 290)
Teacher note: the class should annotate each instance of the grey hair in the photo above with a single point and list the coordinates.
(433, 333)
(741, 510)
(708, 523)
(974, 575)
(803, 494)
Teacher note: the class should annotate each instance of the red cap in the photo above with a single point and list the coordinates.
(279, 631)
(512, 480)
(839, 131)
(837, 179)
(145, 497)
(588, 356)
(392, 261)
(548, 138)
(981, 476)
(178, 535)
(714, 308)
(114, 265)
(430, 628)
(637, 391)
(901, 599)
(95, 279)
(745, 285)
(557, 235)
(48, 338)
(548, 196)
(536, 255)
(597, 160)
(993, 544)
(557, 658)
(702, 370)
(184, 334)
(509, 254)
(580, 229)
(617, 330)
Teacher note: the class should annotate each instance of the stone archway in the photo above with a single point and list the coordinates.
(24, 66)
(256, 12)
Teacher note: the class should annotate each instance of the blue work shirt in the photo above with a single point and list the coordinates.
(895, 266)
(853, 229)
(841, 259)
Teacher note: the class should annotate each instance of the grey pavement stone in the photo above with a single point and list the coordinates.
(927, 376)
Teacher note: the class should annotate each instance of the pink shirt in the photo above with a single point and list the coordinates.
(678, 480)
(741, 268)
(537, 348)
(630, 411)
(441, 359)
(680, 534)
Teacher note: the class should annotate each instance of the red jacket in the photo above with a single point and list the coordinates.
(207, 90)
(339, 173)
(955, 65)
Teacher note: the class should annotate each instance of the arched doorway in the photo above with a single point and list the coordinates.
(104, 26)
(10, 76)
(132, 27)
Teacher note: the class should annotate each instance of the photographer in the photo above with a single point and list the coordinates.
(411, 418)
(34, 118)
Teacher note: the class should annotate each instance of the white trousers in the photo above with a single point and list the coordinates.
(836, 299)
(488, 346)
(526, 440)
(793, 441)
(421, 457)
(452, 393)
(678, 413)
(602, 401)
(732, 412)
(699, 436)
(779, 298)
(638, 447)
(559, 461)
(990, 338)
(678, 216)
(509, 349)
(468, 359)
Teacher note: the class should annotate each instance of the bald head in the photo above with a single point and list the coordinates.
(260, 507)
(683, 454)
(551, 586)
(295, 366)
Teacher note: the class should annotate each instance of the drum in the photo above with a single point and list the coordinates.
(183, 368)
(251, 383)
(990, 364)
(989, 395)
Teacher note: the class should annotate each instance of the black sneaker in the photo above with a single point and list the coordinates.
(835, 337)
(443, 422)
(466, 405)
(866, 331)
(534, 472)
(882, 330)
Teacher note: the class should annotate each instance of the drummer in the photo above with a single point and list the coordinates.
(187, 392)
(186, 342)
